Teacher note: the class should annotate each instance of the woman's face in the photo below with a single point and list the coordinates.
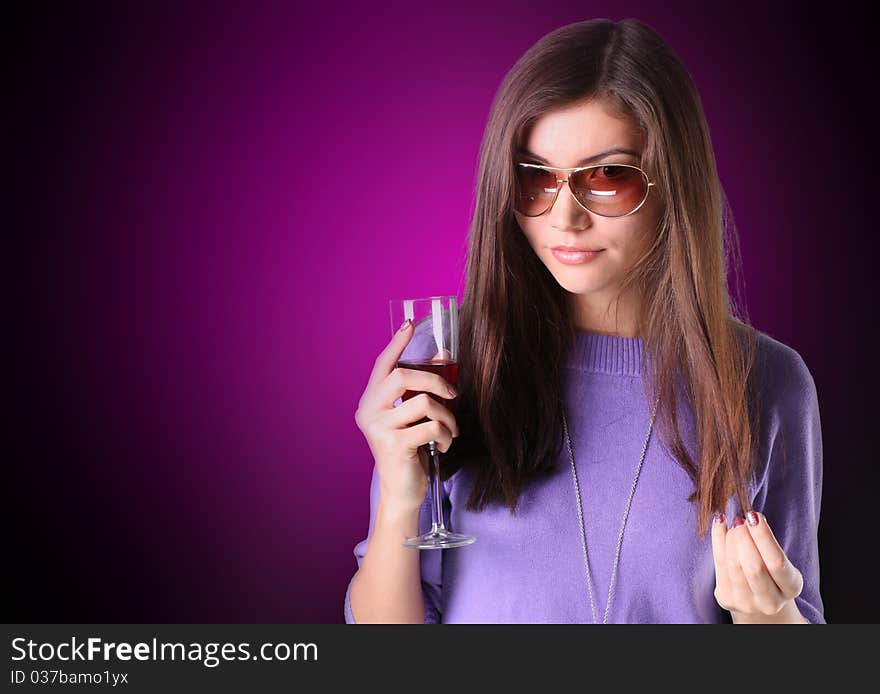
(562, 139)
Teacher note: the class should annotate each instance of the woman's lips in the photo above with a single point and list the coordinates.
(574, 257)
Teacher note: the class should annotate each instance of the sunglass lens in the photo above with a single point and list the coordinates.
(536, 189)
(612, 191)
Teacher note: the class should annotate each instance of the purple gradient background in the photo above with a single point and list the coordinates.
(200, 280)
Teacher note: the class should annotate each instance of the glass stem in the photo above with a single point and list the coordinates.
(436, 501)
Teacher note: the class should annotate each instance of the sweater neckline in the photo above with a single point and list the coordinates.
(607, 354)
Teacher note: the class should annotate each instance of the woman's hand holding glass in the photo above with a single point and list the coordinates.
(397, 435)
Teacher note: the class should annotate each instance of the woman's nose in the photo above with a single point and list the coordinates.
(565, 207)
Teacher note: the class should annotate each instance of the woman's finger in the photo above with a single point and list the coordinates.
(719, 533)
(419, 434)
(419, 407)
(765, 593)
(740, 592)
(386, 362)
(784, 574)
(403, 379)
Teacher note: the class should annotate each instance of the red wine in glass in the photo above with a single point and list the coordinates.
(433, 348)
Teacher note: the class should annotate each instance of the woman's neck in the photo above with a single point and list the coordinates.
(615, 318)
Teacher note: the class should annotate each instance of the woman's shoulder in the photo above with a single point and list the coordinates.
(784, 394)
(781, 360)
(780, 372)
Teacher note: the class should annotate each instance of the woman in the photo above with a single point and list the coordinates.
(613, 412)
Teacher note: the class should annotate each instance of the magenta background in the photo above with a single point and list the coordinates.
(200, 278)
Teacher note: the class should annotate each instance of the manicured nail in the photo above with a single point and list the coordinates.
(719, 517)
(752, 518)
(452, 391)
(405, 325)
(737, 521)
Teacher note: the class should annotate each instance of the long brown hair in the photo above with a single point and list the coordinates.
(516, 320)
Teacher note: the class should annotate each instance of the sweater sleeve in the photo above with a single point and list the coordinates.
(789, 490)
(430, 560)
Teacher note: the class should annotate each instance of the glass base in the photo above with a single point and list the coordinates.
(439, 539)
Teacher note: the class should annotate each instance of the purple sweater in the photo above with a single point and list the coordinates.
(529, 568)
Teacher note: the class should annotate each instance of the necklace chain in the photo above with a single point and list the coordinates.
(577, 493)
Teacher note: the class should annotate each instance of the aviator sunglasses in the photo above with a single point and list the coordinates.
(608, 190)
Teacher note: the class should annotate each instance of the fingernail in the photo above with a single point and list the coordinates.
(452, 391)
(752, 518)
(404, 326)
(737, 521)
(719, 517)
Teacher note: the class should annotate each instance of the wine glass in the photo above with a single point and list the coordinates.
(433, 347)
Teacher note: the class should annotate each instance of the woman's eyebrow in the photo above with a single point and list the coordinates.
(585, 160)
